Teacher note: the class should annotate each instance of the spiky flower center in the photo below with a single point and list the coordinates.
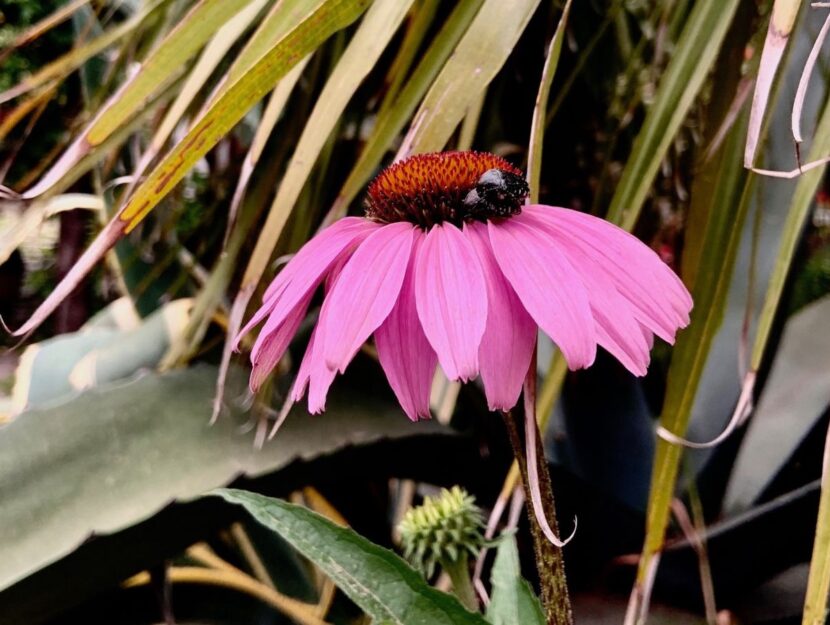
(429, 189)
(442, 530)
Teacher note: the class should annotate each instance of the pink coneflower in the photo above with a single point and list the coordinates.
(450, 266)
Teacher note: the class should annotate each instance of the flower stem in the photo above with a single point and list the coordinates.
(549, 560)
(462, 586)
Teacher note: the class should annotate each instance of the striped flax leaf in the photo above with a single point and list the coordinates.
(72, 60)
(726, 187)
(479, 56)
(323, 17)
(164, 65)
(395, 117)
(797, 216)
(818, 581)
(680, 84)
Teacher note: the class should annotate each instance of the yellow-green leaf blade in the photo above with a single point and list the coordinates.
(797, 215)
(184, 41)
(374, 33)
(537, 126)
(818, 581)
(690, 63)
(394, 117)
(322, 20)
(477, 59)
(73, 59)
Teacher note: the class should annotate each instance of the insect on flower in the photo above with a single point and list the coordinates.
(498, 193)
(449, 266)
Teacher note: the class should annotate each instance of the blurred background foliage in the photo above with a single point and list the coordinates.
(106, 447)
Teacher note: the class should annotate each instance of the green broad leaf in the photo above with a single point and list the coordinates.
(512, 600)
(116, 455)
(691, 61)
(377, 580)
(479, 56)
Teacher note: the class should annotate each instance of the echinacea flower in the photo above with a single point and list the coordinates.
(450, 266)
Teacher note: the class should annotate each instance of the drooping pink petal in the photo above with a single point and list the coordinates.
(306, 270)
(365, 292)
(313, 375)
(510, 334)
(314, 258)
(548, 286)
(660, 300)
(404, 352)
(451, 299)
(270, 348)
(617, 328)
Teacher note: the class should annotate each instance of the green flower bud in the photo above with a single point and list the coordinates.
(442, 530)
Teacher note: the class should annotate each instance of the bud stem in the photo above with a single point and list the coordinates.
(462, 585)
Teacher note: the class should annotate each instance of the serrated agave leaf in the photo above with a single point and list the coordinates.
(781, 24)
(323, 17)
(163, 65)
(115, 455)
(477, 59)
